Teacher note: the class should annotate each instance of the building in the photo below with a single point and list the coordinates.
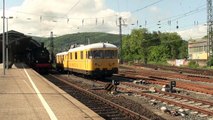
(197, 49)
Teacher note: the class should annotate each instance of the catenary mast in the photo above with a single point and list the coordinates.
(209, 28)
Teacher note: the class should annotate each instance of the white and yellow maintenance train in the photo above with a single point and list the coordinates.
(97, 60)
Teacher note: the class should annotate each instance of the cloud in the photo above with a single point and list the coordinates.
(40, 17)
(195, 32)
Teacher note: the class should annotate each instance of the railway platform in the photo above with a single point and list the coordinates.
(24, 95)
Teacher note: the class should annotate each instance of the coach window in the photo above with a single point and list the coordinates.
(76, 55)
(89, 54)
(81, 54)
(70, 55)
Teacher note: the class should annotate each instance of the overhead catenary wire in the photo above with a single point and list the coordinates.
(171, 19)
(81, 18)
(186, 13)
(189, 26)
(134, 11)
(103, 19)
(64, 17)
(73, 7)
(180, 16)
(97, 17)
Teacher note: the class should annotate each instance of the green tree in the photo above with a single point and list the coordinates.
(158, 54)
(173, 42)
(183, 50)
(131, 45)
(210, 61)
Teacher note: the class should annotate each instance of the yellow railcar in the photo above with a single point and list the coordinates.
(98, 59)
(61, 59)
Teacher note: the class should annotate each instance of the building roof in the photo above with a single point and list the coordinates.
(197, 40)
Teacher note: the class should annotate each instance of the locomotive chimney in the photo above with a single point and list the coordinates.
(42, 44)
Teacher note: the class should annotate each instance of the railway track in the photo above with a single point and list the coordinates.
(164, 80)
(104, 107)
(188, 77)
(178, 69)
(171, 97)
(201, 106)
(186, 102)
(170, 94)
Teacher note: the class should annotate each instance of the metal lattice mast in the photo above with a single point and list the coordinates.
(51, 47)
(209, 28)
(120, 37)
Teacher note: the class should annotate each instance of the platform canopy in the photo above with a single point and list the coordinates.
(18, 45)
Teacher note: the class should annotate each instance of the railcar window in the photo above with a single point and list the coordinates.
(62, 58)
(102, 54)
(70, 55)
(98, 54)
(81, 54)
(89, 54)
(115, 53)
(76, 55)
(110, 54)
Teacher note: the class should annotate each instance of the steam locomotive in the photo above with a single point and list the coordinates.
(39, 59)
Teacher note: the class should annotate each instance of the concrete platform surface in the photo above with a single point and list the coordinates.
(25, 95)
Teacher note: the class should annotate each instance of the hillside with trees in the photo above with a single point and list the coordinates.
(141, 45)
(63, 43)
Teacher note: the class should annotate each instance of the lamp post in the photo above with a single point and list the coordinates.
(3, 39)
(7, 64)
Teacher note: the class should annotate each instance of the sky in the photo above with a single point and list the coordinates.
(40, 17)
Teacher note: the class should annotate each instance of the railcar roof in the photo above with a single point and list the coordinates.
(93, 46)
(62, 53)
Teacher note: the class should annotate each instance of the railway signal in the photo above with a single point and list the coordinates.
(172, 84)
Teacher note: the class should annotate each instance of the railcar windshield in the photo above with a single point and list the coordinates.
(96, 54)
(110, 54)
